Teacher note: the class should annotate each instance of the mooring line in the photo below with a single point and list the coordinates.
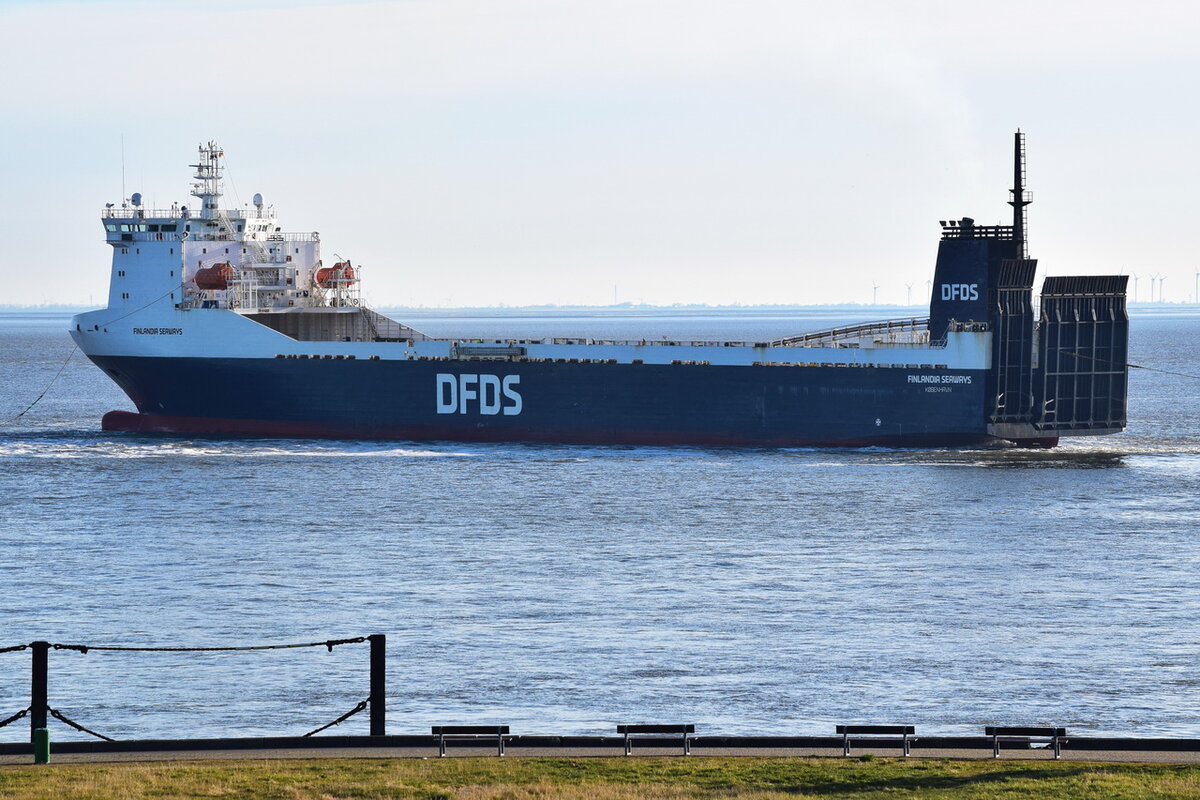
(72, 353)
(52, 380)
(139, 308)
(1130, 366)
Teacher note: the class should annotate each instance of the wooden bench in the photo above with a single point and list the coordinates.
(656, 730)
(1025, 734)
(467, 733)
(903, 731)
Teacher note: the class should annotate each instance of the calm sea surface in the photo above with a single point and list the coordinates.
(565, 589)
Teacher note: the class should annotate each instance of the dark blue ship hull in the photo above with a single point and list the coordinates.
(552, 402)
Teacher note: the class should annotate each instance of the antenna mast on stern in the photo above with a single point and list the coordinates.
(1020, 198)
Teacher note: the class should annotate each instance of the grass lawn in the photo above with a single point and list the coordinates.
(598, 779)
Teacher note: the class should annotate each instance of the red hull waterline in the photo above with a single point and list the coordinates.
(130, 422)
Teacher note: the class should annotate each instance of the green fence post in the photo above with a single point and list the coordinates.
(41, 746)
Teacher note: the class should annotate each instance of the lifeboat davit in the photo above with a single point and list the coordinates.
(340, 273)
(218, 276)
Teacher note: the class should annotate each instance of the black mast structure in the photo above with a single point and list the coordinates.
(1019, 198)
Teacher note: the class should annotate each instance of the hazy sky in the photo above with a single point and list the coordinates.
(474, 152)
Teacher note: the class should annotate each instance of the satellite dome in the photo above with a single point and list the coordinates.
(136, 199)
(258, 199)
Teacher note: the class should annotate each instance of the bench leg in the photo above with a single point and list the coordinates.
(687, 745)
(845, 744)
(628, 746)
(442, 746)
(500, 745)
(1057, 748)
(907, 751)
(995, 747)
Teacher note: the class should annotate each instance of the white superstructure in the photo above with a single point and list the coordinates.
(205, 281)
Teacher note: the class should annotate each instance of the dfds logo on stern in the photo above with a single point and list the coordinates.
(960, 291)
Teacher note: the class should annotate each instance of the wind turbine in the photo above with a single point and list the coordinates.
(909, 285)
(874, 294)
(1161, 281)
(1135, 280)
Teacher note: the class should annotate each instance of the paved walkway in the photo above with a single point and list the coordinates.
(1037, 754)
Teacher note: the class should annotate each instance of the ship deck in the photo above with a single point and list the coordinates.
(365, 325)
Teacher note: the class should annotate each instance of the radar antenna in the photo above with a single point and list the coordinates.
(1020, 198)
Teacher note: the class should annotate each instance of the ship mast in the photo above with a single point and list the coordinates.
(1019, 197)
(208, 180)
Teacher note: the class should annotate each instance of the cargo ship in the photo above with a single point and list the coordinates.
(219, 322)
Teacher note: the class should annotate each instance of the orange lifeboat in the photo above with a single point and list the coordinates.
(218, 276)
(340, 273)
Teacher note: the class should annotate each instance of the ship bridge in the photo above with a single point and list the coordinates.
(241, 259)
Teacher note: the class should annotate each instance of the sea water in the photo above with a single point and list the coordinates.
(564, 589)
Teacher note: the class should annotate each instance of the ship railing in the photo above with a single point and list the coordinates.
(137, 212)
(968, 327)
(223, 236)
(1002, 232)
(899, 332)
(247, 214)
(910, 330)
(642, 342)
(201, 236)
(176, 212)
(145, 236)
(294, 237)
(385, 329)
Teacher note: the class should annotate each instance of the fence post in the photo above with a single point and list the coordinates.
(38, 695)
(378, 682)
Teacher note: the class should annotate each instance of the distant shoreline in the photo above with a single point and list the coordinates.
(626, 309)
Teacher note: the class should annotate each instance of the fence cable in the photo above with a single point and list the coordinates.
(340, 719)
(14, 717)
(54, 712)
(329, 644)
